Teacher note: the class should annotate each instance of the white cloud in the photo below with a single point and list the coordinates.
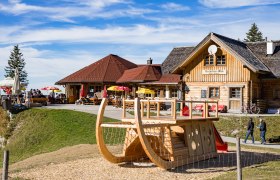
(85, 8)
(236, 3)
(43, 69)
(174, 7)
(138, 34)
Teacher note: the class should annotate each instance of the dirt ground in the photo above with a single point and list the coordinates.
(84, 162)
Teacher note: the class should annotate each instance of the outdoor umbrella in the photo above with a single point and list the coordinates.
(123, 88)
(145, 91)
(7, 89)
(7, 82)
(105, 92)
(113, 88)
(82, 91)
(16, 85)
(50, 88)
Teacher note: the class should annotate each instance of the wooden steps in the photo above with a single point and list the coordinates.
(179, 147)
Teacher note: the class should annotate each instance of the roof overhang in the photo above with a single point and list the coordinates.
(203, 43)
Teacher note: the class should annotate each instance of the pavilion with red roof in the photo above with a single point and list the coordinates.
(114, 70)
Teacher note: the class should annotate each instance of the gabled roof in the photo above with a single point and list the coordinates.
(176, 56)
(242, 49)
(167, 79)
(107, 69)
(237, 48)
(271, 61)
(143, 73)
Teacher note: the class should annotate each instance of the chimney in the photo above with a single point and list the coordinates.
(270, 46)
(150, 61)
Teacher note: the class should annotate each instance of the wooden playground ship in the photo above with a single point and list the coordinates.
(168, 141)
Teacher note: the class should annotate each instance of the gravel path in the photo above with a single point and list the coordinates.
(84, 162)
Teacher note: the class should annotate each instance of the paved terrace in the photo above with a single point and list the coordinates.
(116, 113)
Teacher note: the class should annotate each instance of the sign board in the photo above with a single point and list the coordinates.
(214, 71)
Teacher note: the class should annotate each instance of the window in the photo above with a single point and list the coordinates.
(98, 88)
(277, 93)
(214, 92)
(221, 60)
(209, 60)
(174, 93)
(235, 93)
(158, 93)
(203, 93)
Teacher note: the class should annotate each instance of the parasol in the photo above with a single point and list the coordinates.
(82, 91)
(105, 92)
(145, 91)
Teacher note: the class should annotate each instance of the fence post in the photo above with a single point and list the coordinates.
(238, 159)
(5, 165)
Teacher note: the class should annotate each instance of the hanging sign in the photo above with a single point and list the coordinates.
(214, 71)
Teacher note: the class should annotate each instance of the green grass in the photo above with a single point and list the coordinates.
(227, 125)
(44, 130)
(265, 171)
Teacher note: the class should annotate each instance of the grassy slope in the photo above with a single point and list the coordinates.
(44, 130)
(226, 125)
(270, 170)
(265, 171)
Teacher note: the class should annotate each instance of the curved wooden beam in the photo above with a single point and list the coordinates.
(100, 140)
(154, 157)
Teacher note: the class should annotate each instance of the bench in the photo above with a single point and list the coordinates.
(41, 100)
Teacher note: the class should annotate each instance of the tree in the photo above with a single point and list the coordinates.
(254, 34)
(16, 61)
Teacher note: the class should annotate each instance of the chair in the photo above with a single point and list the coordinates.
(186, 111)
(198, 107)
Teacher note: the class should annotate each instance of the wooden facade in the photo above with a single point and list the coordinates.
(225, 77)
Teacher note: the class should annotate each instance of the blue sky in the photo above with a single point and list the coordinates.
(58, 37)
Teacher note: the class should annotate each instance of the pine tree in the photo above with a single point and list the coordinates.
(254, 34)
(16, 61)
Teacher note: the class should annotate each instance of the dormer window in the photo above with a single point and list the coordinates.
(208, 61)
(221, 60)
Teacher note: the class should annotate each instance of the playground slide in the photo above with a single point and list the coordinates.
(220, 144)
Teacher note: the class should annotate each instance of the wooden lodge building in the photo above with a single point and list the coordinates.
(237, 74)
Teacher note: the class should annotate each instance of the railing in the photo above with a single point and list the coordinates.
(156, 104)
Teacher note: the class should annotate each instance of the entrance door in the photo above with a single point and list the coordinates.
(235, 98)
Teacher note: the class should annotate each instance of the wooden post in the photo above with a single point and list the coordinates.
(181, 108)
(5, 165)
(217, 109)
(204, 110)
(142, 109)
(190, 110)
(124, 111)
(158, 109)
(174, 109)
(238, 159)
(148, 109)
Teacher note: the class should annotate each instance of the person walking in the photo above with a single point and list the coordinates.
(262, 127)
(250, 130)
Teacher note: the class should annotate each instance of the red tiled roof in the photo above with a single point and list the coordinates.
(107, 69)
(167, 79)
(142, 73)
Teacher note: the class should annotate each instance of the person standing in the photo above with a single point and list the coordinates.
(262, 131)
(250, 130)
